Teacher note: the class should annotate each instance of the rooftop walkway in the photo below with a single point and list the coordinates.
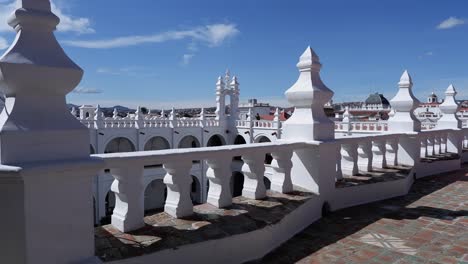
(429, 225)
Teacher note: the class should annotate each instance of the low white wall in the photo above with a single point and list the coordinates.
(441, 166)
(367, 193)
(239, 248)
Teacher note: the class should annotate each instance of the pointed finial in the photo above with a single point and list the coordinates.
(202, 113)
(405, 80)
(451, 91)
(115, 113)
(391, 113)
(309, 60)
(234, 81)
(220, 83)
(162, 112)
(172, 115)
(73, 110)
(277, 114)
(249, 114)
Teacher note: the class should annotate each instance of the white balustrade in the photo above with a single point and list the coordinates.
(365, 156)
(379, 153)
(129, 193)
(281, 165)
(254, 171)
(219, 174)
(178, 180)
(391, 153)
(349, 157)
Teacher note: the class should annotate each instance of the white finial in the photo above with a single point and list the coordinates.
(391, 113)
(404, 103)
(172, 115)
(220, 84)
(309, 96)
(202, 113)
(73, 111)
(405, 80)
(449, 109)
(162, 112)
(346, 115)
(115, 113)
(277, 114)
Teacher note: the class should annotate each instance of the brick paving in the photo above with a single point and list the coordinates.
(429, 225)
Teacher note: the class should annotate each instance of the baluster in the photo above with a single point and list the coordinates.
(281, 165)
(129, 197)
(178, 182)
(379, 153)
(437, 144)
(349, 156)
(219, 175)
(365, 156)
(339, 172)
(430, 146)
(254, 171)
(423, 147)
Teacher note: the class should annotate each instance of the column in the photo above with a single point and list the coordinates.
(129, 197)
(391, 153)
(349, 156)
(281, 165)
(379, 153)
(178, 181)
(219, 174)
(254, 171)
(365, 156)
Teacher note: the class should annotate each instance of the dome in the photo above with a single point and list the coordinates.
(377, 98)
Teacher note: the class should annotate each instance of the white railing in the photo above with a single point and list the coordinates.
(362, 126)
(363, 154)
(127, 169)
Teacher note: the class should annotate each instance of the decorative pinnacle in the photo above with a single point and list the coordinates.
(309, 61)
(115, 113)
(42, 5)
(405, 80)
(234, 81)
(220, 83)
(451, 91)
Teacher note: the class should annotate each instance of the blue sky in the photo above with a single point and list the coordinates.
(162, 53)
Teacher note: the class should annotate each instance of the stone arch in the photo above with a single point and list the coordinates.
(119, 144)
(155, 195)
(237, 183)
(265, 139)
(239, 140)
(109, 206)
(157, 143)
(216, 140)
(189, 142)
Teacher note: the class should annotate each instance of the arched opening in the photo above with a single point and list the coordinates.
(237, 183)
(157, 143)
(108, 207)
(119, 144)
(239, 140)
(91, 150)
(189, 142)
(87, 114)
(195, 192)
(215, 141)
(268, 157)
(155, 195)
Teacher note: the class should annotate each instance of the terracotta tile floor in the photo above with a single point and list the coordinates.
(429, 225)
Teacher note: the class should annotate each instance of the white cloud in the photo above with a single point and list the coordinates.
(186, 58)
(429, 53)
(80, 25)
(84, 90)
(450, 23)
(68, 23)
(134, 71)
(3, 43)
(211, 35)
